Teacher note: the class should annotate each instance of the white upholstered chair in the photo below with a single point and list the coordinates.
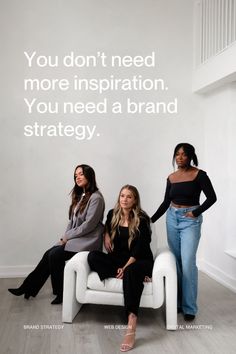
(82, 286)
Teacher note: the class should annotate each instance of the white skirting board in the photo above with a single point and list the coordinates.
(15, 271)
(217, 274)
(204, 266)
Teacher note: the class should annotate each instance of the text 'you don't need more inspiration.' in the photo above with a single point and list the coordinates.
(97, 85)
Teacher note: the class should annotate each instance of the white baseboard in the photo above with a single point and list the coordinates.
(15, 271)
(204, 266)
(217, 274)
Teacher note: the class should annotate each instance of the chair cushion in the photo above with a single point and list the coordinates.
(112, 284)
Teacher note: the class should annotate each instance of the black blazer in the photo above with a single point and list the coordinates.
(140, 245)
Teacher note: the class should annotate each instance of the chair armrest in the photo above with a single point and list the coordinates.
(164, 267)
(75, 283)
(77, 260)
(164, 262)
(79, 265)
(164, 273)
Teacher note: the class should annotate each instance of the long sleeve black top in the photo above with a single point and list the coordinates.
(188, 193)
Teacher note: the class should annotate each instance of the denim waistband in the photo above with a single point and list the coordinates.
(183, 210)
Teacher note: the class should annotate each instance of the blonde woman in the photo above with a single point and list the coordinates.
(127, 240)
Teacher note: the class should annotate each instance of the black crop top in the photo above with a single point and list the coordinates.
(188, 193)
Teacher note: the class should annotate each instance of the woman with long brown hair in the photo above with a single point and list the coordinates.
(127, 240)
(83, 233)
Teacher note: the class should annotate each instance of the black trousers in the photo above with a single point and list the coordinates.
(106, 266)
(52, 263)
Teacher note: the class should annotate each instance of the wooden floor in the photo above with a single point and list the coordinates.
(34, 326)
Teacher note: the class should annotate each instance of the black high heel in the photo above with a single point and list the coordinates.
(17, 291)
(27, 296)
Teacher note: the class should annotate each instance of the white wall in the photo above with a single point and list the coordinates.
(217, 71)
(36, 173)
(219, 112)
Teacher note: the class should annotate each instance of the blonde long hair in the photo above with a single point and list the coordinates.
(134, 215)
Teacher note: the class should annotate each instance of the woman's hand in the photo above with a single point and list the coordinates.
(147, 279)
(120, 273)
(63, 240)
(107, 243)
(189, 214)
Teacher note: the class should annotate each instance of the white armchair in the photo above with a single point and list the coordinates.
(81, 286)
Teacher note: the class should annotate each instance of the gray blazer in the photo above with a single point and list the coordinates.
(86, 235)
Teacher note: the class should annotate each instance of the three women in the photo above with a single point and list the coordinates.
(127, 237)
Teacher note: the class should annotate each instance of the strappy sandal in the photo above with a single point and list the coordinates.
(126, 347)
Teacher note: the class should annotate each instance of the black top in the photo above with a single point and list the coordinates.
(188, 193)
(140, 245)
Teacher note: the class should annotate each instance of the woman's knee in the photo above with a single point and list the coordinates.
(93, 257)
(55, 254)
(47, 253)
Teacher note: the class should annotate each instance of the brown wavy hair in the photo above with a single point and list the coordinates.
(77, 192)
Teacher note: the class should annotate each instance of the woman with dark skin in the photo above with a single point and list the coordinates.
(183, 221)
(127, 240)
(83, 233)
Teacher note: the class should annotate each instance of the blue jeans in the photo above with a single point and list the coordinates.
(183, 234)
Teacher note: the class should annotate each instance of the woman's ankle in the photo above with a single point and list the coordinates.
(132, 322)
